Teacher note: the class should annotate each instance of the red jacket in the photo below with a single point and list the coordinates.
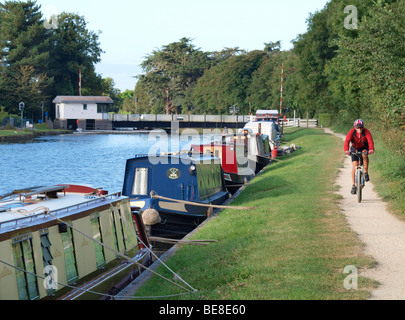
(365, 140)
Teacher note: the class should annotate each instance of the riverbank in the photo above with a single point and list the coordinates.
(295, 245)
(18, 135)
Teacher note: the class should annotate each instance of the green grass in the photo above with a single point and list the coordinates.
(38, 128)
(13, 132)
(293, 246)
(387, 169)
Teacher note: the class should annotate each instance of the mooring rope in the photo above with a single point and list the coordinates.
(157, 258)
(154, 195)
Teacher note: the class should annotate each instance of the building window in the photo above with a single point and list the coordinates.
(85, 107)
(102, 108)
(23, 258)
(69, 253)
(95, 226)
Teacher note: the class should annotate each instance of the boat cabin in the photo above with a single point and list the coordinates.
(181, 177)
(184, 185)
(43, 232)
(234, 160)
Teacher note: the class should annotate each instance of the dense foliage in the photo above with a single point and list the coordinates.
(348, 64)
(40, 59)
(347, 71)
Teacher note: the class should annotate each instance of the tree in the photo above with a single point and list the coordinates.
(74, 48)
(171, 71)
(24, 55)
(367, 75)
(108, 89)
(226, 84)
(264, 91)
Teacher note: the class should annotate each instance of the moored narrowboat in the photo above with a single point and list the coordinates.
(238, 170)
(188, 183)
(256, 144)
(266, 122)
(68, 242)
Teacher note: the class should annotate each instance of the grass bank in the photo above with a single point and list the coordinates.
(15, 134)
(8, 133)
(295, 245)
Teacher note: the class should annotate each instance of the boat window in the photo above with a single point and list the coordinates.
(46, 250)
(140, 184)
(69, 253)
(97, 236)
(242, 157)
(114, 230)
(209, 180)
(25, 274)
(124, 238)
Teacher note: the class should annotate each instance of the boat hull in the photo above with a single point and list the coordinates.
(179, 218)
(72, 234)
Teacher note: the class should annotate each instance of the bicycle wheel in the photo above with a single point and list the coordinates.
(359, 185)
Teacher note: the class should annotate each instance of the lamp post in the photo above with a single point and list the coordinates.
(42, 108)
(21, 107)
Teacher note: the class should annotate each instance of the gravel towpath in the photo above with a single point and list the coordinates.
(381, 232)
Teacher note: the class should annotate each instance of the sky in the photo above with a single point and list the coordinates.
(132, 29)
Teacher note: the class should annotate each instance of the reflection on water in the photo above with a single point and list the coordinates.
(95, 159)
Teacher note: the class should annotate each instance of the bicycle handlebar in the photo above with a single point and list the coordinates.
(358, 153)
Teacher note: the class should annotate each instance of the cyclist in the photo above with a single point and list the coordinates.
(361, 140)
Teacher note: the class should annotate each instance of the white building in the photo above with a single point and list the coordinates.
(85, 112)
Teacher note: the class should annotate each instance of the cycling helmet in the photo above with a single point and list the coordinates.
(359, 123)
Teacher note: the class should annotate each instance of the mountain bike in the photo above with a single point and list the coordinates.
(360, 173)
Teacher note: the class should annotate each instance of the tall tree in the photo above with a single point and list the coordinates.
(171, 71)
(226, 84)
(24, 55)
(74, 48)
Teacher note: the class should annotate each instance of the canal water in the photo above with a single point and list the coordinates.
(93, 159)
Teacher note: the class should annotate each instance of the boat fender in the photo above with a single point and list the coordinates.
(150, 217)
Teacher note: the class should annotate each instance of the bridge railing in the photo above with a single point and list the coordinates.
(203, 118)
(173, 117)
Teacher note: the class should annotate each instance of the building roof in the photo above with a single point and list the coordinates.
(83, 99)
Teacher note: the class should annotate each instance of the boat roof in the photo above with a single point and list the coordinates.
(188, 157)
(30, 206)
(267, 112)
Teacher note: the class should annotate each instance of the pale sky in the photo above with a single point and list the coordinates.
(130, 30)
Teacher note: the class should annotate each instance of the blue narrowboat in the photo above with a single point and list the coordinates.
(188, 183)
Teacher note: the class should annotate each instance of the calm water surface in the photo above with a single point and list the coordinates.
(94, 159)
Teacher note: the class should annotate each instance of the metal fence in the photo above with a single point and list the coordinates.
(15, 122)
(301, 123)
(173, 117)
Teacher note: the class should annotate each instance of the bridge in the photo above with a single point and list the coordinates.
(185, 121)
(125, 122)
